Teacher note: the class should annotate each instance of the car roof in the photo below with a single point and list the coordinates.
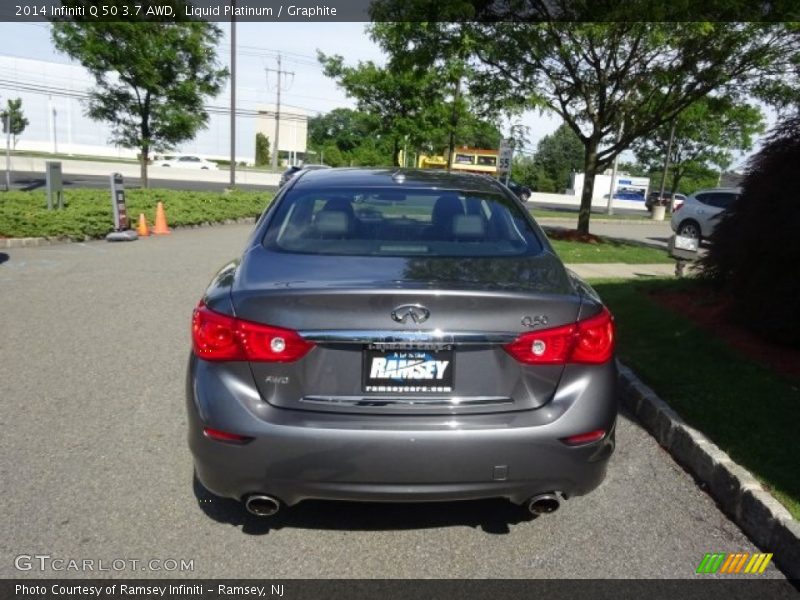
(396, 177)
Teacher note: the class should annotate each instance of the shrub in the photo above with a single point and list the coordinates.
(262, 150)
(88, 212)
(755, 249)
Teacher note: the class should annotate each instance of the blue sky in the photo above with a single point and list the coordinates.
(258, 45)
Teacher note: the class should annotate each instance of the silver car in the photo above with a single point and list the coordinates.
(400, 336)
(700, 213)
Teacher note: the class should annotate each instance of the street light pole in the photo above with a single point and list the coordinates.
(613, 187)
(233, 94)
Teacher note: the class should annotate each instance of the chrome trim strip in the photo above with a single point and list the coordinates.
(351, 336)
(410, 402)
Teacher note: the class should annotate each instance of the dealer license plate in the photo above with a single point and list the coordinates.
(416, 371)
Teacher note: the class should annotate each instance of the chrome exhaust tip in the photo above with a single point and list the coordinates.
(543, 504)
(262, 505)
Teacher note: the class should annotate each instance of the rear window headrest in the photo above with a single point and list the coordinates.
(468, 226)
(334, 222)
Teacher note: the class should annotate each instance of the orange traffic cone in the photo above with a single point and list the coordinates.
(161, 221)
(141, 228)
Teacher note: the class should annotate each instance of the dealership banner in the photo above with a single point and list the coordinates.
(393, 10)
(429, 589)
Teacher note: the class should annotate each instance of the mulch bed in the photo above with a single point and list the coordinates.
(710, 311)
(572, 235)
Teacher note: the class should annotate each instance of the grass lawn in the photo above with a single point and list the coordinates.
(748, 410)
(608, 251)
(543, 213)
(87, 212)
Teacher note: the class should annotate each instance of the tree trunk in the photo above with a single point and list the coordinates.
(145, 157)
(451, 144)
(589, 172)
(396, 152)
(676, 179)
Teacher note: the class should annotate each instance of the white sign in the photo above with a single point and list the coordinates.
(504, 156)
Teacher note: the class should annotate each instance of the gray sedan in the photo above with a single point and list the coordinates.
(399, 336)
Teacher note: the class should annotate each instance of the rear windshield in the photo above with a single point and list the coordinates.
(406, 222)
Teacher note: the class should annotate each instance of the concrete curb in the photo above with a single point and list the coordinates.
(738, 493)
(49, 241)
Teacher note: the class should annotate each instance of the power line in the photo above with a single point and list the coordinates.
(11, 75)
(213, 109)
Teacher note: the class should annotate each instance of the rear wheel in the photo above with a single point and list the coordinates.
(689, 229)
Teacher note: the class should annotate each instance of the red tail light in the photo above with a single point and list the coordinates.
(590, 341)
(225, 436)
(219, 337)
(585, 438)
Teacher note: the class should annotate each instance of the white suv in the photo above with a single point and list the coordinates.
(701, 211)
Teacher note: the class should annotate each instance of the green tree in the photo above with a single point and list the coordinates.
(151, 78)
(476, 132)
(398, 100)
(332, 156)
(524, 170)
(262, 149)
(346, 128)
(423, 109)
(370, 155)
(13, 119)
(611, 82)
(706, 135)
(558, 155)
(354, 134)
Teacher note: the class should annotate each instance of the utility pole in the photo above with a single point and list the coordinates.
(8, 149)
(233, 94)
(55, 131)
(278, 72)
(666, 167)
(613, 187)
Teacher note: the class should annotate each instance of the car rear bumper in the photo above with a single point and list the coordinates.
(296, 454)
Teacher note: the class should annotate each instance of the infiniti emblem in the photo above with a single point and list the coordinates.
(415, 312)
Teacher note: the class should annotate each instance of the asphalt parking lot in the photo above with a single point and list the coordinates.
(94, 462)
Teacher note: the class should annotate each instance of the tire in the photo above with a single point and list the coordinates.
(524, 196)
(690, 228)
